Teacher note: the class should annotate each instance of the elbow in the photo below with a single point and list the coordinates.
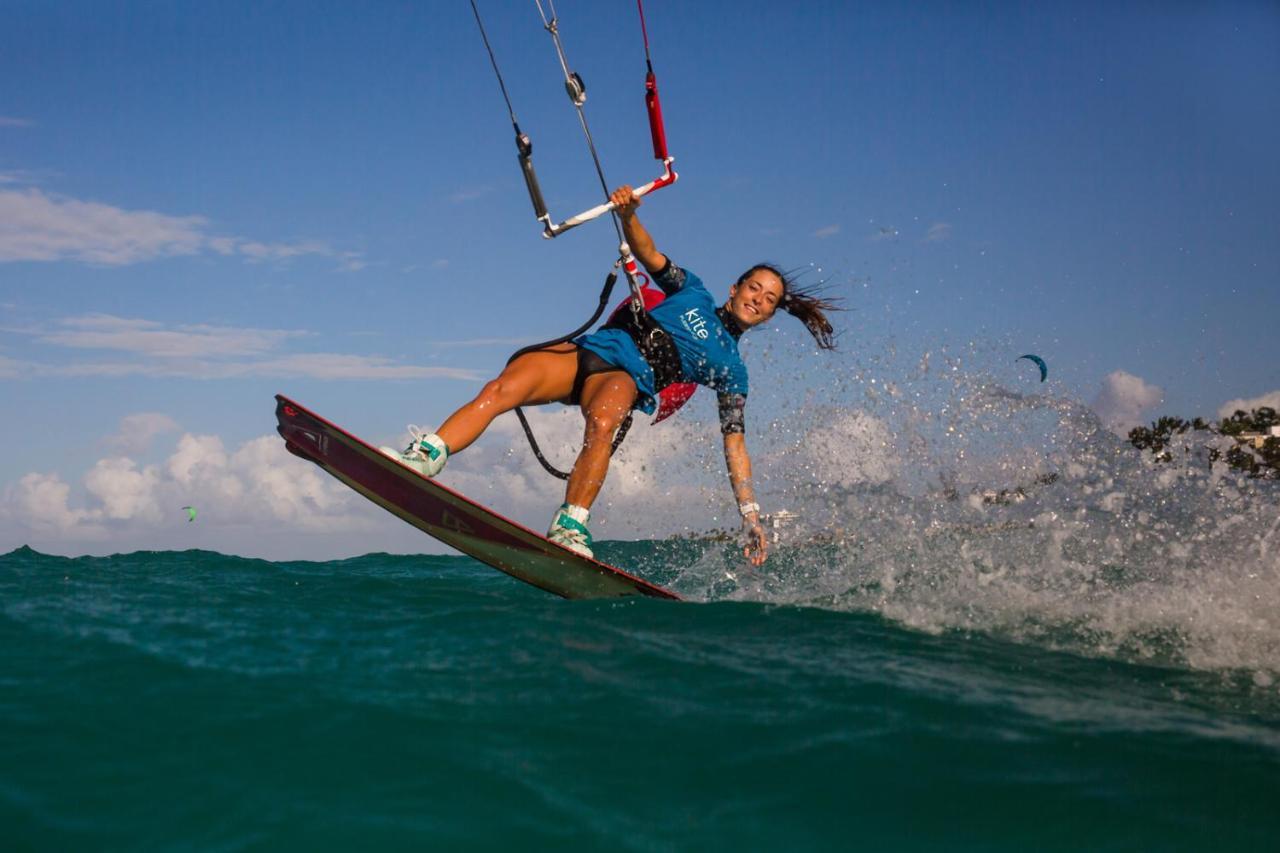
(735, 446)
(653, 261)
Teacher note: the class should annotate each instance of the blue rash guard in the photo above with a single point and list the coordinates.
(708, 348)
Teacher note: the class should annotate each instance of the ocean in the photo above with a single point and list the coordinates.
(926, 693)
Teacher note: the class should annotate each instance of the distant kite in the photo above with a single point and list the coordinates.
(1044, 368)
(191, 513)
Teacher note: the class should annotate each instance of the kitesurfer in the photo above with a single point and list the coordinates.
(625, 364)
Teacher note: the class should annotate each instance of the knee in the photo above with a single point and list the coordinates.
(498, 392)
(602, 424)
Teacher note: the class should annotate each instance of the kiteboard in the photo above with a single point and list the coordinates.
(450, 517)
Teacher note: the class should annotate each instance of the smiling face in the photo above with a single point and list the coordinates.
(754, 299)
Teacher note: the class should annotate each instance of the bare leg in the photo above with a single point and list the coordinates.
(532, 379)
(606, 399)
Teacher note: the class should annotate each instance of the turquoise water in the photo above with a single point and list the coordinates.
(203, 701)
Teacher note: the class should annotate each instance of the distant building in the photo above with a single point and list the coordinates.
(1004, 497)
(1257, 439)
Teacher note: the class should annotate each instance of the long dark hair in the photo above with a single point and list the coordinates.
(803, 303)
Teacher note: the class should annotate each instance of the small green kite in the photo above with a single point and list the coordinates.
(191, 513)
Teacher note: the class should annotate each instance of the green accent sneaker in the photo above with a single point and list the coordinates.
(426, 454)
(570, 532)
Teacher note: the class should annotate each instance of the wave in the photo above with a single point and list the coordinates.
(1023, 517)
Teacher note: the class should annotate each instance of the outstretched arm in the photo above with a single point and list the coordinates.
(637, 235)
(739, 464)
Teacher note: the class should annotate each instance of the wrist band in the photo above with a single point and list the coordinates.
(748, 508)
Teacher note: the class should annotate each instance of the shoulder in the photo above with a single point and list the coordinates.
(672, 278)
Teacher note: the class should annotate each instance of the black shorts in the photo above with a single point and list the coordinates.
(589, 364)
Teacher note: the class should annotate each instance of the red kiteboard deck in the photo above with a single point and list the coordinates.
(450, 517)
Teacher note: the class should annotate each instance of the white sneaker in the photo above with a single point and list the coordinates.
(569, 529)
(426, 454)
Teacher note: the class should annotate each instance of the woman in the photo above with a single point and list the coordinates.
(685, 338)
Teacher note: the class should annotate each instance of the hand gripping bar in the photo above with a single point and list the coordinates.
(549, 231)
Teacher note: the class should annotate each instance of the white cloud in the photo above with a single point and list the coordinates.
(259, 486)
(137, 431)
(147, 337)
(262, 252)
(15, 177)
(938, 232)
(827, 231)
(36, 226)
(222, 245)
(124, 490)
(322, 365)
(481, 342)
(40, 503)
(307, 366)
(1229, 408)
(351, 261)
(1123, 399)
(312, 500)
(13, 121)
(203, 352)
(194, 453)
(470, 194)
(276, 251)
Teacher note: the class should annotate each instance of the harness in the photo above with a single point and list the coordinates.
(655, 345)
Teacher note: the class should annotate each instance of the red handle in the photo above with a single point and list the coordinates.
(656, 130)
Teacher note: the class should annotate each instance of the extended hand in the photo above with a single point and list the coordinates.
(757, 547)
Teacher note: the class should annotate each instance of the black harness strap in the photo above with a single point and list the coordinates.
(655, 345)
(524, 422)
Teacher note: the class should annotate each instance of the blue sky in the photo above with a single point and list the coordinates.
(201, 206)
